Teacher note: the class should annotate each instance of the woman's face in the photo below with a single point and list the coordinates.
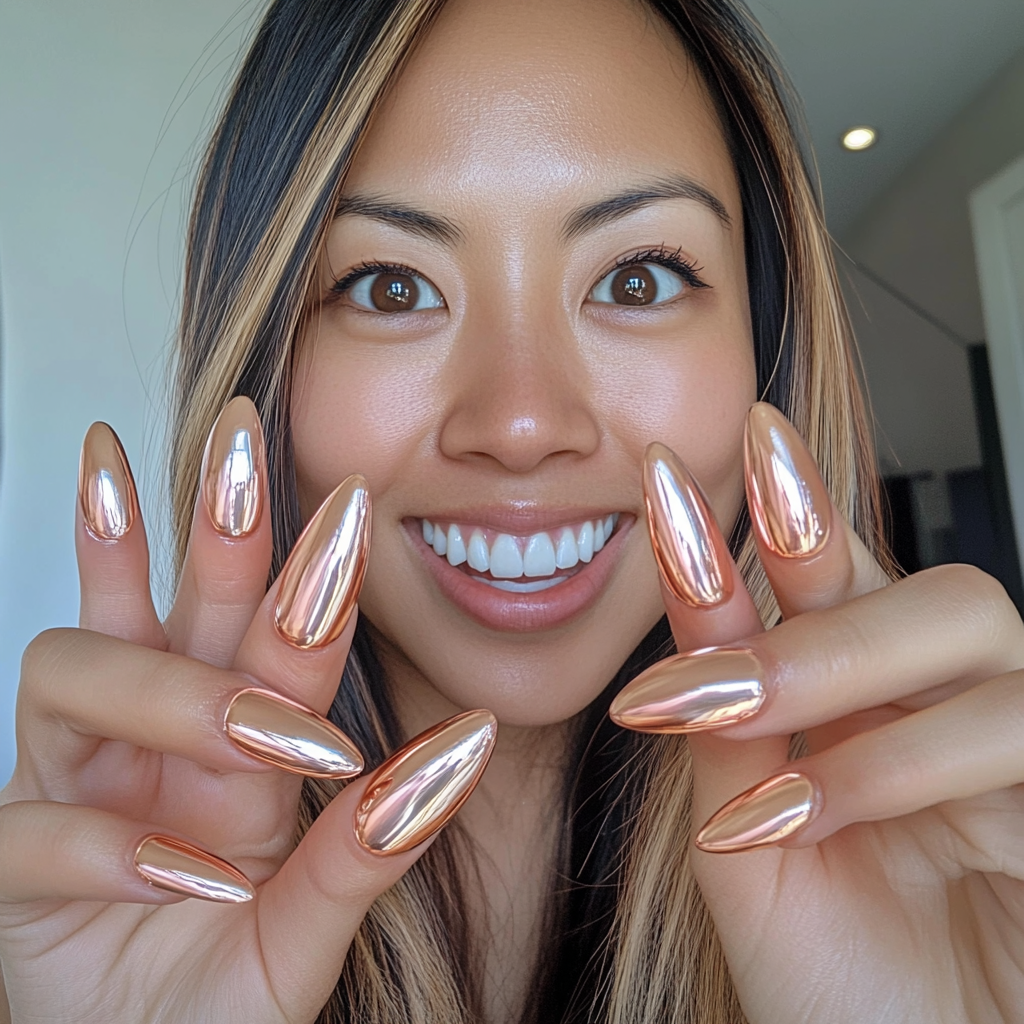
(538, 270)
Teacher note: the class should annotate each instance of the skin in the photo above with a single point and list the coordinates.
(900, 901)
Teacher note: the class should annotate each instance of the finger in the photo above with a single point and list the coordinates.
(300, 636)
(822, 666)
(80, 687)
(224, 576)
(364, 841)
(707, 605)
(62, 851)
(812, 557)
(110, 541)
(961, 748)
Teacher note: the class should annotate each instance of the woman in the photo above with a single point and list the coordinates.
(504, 260)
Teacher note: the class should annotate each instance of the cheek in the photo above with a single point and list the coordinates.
(360, 409)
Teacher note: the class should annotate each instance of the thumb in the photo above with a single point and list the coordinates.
(360, 846)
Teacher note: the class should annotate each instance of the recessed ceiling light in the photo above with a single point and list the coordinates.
(860, 137)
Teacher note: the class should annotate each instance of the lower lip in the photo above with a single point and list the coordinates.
(522, 613)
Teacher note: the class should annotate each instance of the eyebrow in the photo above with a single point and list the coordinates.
(595, 215)
(407, 218)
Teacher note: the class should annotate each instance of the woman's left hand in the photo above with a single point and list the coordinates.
(885, 880)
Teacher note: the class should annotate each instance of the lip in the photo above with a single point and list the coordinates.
(522, 613)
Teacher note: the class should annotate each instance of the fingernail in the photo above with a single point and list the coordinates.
(689, 548)
(286, 734)
(321, 579)
(788, 500)
(691, 692)
(765, 814)
(234, 468)
(185, 869)
(418, 789)
(106, 490)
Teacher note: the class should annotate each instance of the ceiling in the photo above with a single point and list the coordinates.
(904, 67)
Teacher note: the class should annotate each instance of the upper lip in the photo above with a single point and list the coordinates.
(524, 519)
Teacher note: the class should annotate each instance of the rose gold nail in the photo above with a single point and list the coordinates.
(185, 869)
(290, 736)
(766, 813)
(321, 579)
(418, 789)
(703, 689)
(106, 490)
(689, 548)
(788, 501)
(234, 468)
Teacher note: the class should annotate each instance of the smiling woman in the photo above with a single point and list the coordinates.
(547, 283)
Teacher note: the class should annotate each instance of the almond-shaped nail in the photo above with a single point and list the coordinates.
(787, 497)
(185, 869)
(290, 736)
(419, 788)
(106, 489)
(766, 813)
(691, 692)
(234, 469)
(690, 549)
(321, 579)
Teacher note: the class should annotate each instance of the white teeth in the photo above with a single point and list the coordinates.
(566, 556)
(506, 561)
(539, 557)
(598, 535)
(428, 531)
(585, 543)
(609, 525)
(479, 557)
(440, 541)
(456, 549)
(525, 588)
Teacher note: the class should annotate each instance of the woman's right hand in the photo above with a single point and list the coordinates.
(130, 729)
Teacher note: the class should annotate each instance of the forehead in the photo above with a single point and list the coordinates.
(530, 99)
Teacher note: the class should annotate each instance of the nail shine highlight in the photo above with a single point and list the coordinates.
(180, 867)
(106, 489)
(234, 469)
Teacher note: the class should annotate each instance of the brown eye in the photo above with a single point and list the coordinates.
(393, 293)
(638, 284)
(634, 286)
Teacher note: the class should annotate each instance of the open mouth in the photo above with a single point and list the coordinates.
(519, 564)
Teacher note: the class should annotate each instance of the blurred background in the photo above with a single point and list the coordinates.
(103, 108)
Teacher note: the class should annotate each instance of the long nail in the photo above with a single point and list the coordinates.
(283, 733)
(321, 579)
(234, 469)
(788, 500)
(106, 490)
(185, 869)
(418, 789)
(689, 548)
(766, 813)
(692, 692)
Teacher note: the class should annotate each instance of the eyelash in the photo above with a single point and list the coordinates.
(671, 259)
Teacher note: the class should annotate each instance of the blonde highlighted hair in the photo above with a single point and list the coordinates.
(643, 947)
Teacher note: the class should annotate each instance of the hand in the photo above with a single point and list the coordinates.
(129, 728)
(885, 878)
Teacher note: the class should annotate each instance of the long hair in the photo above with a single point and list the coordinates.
(630, 940)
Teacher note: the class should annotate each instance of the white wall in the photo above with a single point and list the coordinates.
(101, 104)
(917, 236)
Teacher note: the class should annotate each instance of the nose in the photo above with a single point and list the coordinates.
(520, 395)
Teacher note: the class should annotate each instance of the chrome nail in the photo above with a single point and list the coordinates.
(234, 469)
(765, 814)
(290, 736)
(418, 789)
(106, 490)
(788, 501)
(183, 868)
(691, 692)
(688, 546)
(321, 579)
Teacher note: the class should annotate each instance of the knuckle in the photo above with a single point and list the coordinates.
(971, 592)
(43, 663)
